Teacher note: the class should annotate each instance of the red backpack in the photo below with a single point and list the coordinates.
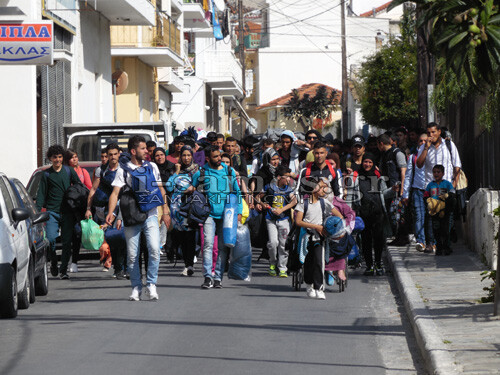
(330, 167)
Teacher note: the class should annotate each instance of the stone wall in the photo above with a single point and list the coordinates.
(482, 227)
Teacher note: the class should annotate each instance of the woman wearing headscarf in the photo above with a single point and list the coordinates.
(371, 192)
(165, 166)
(179, 184)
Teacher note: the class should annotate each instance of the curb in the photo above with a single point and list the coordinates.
(438, 359)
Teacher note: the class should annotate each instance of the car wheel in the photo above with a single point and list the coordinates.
(24, 295)
(8, 307)
(31, 279)
(42, 281)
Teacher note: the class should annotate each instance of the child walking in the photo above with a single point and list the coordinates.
(279, 199)
(440, 203)
(311, 214)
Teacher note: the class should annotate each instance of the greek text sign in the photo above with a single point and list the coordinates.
(27, 43)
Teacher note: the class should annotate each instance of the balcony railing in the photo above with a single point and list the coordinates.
(222, 65)
(166, 33)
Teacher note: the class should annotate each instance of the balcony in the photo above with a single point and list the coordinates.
(158, 46)
(126, 12)
(223, 72)
(170, 79)
(194, 15)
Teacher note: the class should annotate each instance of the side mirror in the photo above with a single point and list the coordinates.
(20, 214)
(42, 217)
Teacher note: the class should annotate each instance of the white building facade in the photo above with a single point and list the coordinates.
(305, 47)
(37, 100)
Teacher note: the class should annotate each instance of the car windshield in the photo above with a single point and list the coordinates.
(88, 147)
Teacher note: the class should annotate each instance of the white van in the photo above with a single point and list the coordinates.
(87, 140)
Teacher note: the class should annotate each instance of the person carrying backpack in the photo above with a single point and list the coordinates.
(181, 185)
(218, 182)
(97, 205)
(311, 214)
(372, 192)
(51, 194)
(142, 194)
(279, 199)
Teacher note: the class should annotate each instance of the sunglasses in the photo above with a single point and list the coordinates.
(309, 138)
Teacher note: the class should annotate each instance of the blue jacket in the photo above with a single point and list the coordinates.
(216, 187)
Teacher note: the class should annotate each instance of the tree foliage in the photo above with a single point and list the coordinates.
(466, 33)
(306, 108)
(387, 83)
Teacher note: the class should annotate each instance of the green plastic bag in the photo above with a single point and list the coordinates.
(92, 235)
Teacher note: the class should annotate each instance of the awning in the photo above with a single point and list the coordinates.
(242, 110)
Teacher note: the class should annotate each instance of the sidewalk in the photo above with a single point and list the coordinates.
(455, 333)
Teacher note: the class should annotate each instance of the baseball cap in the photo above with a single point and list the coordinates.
(358, 140)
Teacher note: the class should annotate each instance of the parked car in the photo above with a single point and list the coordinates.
(39, 244)
(16, 263)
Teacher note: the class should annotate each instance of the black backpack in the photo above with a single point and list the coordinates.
(195, 208)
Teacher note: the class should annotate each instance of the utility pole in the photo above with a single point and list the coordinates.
(345, 115)
(241, 52)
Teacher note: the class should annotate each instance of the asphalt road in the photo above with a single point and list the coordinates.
(87, 326)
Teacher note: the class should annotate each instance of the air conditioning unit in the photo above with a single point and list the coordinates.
(273, 115)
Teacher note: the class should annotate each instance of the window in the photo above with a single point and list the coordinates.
(28, 203)
(6, 194)
(34, 183)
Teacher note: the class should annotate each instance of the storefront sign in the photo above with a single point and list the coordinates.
(27, 43)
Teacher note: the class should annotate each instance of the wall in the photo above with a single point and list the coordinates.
(482, 226)
(92, 92)
(134, 104)
(309, 52)
(18, 122)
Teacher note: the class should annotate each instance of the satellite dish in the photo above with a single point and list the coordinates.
(120, 80)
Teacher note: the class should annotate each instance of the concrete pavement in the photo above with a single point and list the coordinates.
(85, 325)
(455, 333)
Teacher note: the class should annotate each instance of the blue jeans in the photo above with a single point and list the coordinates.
(211, 228)
(52, 230)
(419, 217)
(133, 236)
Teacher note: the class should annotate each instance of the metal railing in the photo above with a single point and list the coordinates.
(166, 33)
(222, 64)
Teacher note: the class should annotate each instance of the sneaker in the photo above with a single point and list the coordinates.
(54, 271)
(217, 284)
(151, 292)
(379, 271)
(283, 274)
(136, 294)
(64, 276)
(428, 249)
(420, 247)
(190, 271)
(272, 270)
(195, 260)
(105, 269)
(208, 283)
(320, 294)
(369, 272)
(120, 275)
(73, 268)
(184, 272)
(330, 280)
(311, 293)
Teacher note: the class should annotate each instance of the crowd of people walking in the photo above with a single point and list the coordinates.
(172, 200)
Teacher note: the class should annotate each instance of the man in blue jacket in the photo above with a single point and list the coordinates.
(218, 182)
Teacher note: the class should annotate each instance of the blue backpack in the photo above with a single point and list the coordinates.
(195, 208)
(144, 185)
(103, 192)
